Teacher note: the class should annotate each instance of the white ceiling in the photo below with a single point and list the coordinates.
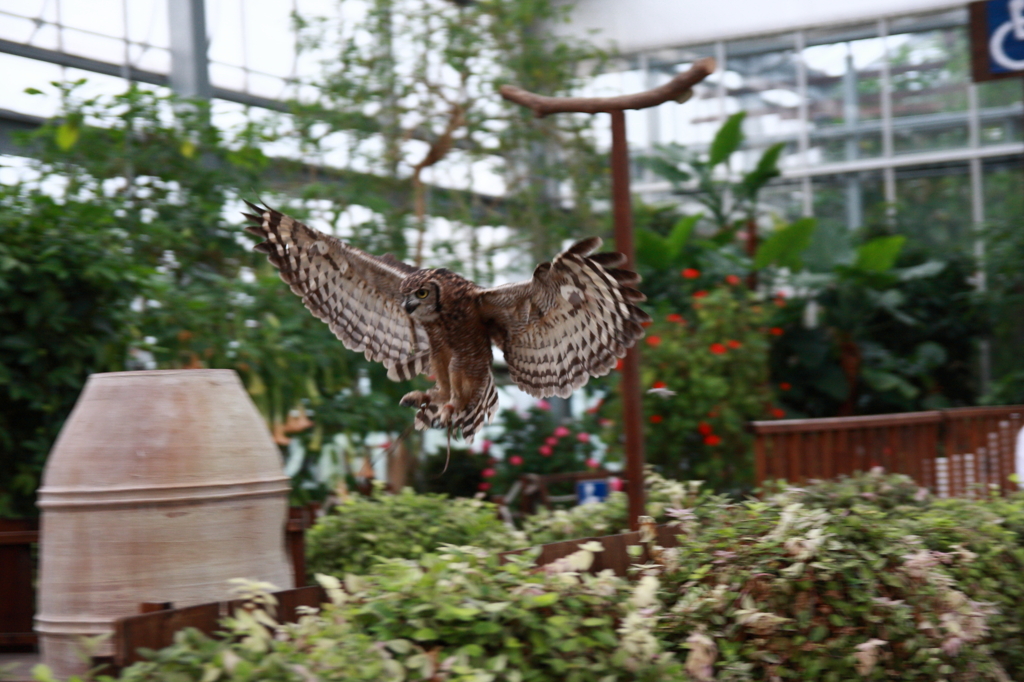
(640, 25)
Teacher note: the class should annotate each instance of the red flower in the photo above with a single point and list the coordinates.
(705, 429)
(785, 386)
(487, 473)
(653, 341)
(775, 331)
(485, 486)
(700, 294)
(732, 280)
(544, 450)
(619, 363)
(515, 460)
(690, 273)
(717, 348)
(593, 463)
(712, 439)
(656, 418)
(778, 413)
(732, 343)
(658, 384)
(646, 324)
(677, 318)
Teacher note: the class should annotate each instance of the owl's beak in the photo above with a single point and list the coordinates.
(411, 305)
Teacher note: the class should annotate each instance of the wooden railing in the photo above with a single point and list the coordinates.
(951, 452)
(17, 573)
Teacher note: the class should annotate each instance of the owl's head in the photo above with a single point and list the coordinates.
(421, 297)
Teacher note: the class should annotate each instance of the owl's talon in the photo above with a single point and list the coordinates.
(415, 399)
(446, 414)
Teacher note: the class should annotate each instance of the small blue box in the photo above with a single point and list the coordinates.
(595, 490)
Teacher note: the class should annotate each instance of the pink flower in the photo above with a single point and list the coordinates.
(545, 450)
(485, 486)
(551, 440)
(583, 437)
(593, 463)
(543, 405)
(485, 446)
(615, 483)
(487, 473)
(561, 432)
(606, 422)
(515, 460)
(732, 280)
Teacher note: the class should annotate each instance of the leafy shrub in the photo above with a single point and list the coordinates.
(455, 616)
(363, 530)
(612, 515)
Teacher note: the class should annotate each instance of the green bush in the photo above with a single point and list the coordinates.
(867, 578)
(364, 530)
(455, 616)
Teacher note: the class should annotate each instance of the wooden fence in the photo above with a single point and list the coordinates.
(949, 451)
(154, 628)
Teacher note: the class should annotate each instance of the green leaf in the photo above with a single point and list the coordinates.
(727, 139)
(879, 255)
(652, 250)
(680, 234)
(67, 136)
(786, 245)
(33, 91)
(766, 169)
(546, 599)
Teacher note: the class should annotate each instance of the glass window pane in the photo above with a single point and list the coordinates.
(764, 84)
(930, 73)
(1001, 111)
(844, 97)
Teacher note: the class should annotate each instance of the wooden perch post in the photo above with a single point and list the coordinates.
(679, 89)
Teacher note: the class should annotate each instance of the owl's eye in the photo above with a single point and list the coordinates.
(422, 293)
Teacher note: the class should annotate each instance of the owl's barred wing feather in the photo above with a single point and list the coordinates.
(572, 321)
(355, 293)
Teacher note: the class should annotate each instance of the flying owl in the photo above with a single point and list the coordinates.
(571, 321)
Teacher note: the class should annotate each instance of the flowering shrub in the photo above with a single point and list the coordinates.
(455, 616)
(704, 379)
(365, 530)
(536, 443)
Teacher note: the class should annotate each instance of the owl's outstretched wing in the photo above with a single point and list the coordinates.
(572, 321)
(355, 293)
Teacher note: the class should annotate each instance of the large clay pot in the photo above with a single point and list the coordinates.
(161, 487)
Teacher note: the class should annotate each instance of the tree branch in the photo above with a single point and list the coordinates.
(678, 89)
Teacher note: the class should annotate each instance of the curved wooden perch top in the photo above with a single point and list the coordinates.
(677, 89)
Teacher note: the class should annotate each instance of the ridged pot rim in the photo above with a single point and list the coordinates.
(58, 497)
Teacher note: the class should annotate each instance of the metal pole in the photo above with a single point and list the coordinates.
(189, 72)
(632, 413)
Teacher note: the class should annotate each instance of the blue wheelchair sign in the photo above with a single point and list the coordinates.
(595, 490)
(1005, 19)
